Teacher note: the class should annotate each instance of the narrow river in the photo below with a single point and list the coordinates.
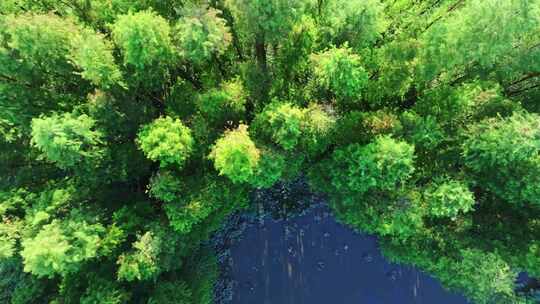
(312, 259)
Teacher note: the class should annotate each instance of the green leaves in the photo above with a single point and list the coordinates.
(284, 123)
(482, 34)
(502, 154)
(223, 105)
(144, 38)
(340, 71)
(201, 33)
(270, 19)
(94, 55)
(398, 110)
(172, 293)
(358, 23)
(382, 165)
(448, 198)
(61, 247)
(235, 155)
(165, 186)
(142, 262)
(66, 139)
(41, 41)
(484, 277)
(208, 199)
(48, 44)
(292, 127)
(166, 140)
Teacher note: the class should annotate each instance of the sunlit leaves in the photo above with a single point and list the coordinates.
(235, 155)
(359, 23)
(285, 124)
(383, 165)
(267, 19)
(201, 33)
(166, 140)
(340, 71)
(142, 262)
(41, 41)
(49, 44)
(481, 35)
(449, 198)
(93, 54)
(269, 170)
(503, 156)
(144, 38)
(292, 127)
(66, 139)
(410, 115)
(60, 247)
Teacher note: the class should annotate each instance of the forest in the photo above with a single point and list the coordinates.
(130, 130)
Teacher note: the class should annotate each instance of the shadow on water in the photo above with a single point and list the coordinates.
(310, 258)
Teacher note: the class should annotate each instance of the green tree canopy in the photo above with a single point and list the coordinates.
(131, 130)
(166, 140)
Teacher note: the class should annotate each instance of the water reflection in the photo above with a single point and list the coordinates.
(312, 259)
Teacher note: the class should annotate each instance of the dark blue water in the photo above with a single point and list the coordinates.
(313, 259)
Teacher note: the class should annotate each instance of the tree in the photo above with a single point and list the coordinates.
(235, 155)
(59, 247)
(166, 140)
(340, 71)
(448, 198)
(499, 28)
(359, 23)
(92, 53)
(224, 105)
(165, 186)
(293, 128)
(142, 263)
(496, 149)
(202, 34)
(172, 292)
(484, 276)
(383, 165)
(144, 38)
(67, 139)
(131, 130)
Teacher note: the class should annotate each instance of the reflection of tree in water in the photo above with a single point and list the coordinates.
(311, 258)
(284, 200)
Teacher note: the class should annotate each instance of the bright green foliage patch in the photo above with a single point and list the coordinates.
(131, 130)
(166, 140)
(59, 248)
(292, 127)
(235, 155)
(66, 139)
(93, 54)
(448, 198)
(141, 264)
(144, 38)
(498, 148)
(201, 33)
(383, 165)
(340, 71)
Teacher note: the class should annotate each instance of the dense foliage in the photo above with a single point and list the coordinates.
(129, 130)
